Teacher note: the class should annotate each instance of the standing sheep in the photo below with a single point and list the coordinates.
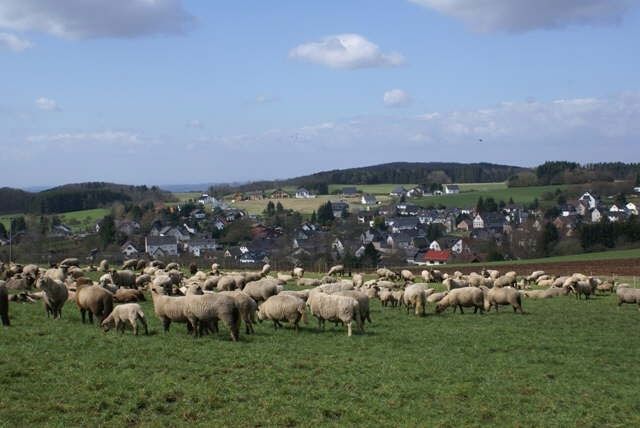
(415, 296)
(407, 275)
(124, 278)
(459, 297)
(627, 294)
(131, 312)
(283, 307)
(208, 309)
(298, 272)
(328, 307)
(247, 307)
(363, 303)
(94, 300)
(128, 295)
(502, 296)
(336, 270)
(261, 290)
(55, 296)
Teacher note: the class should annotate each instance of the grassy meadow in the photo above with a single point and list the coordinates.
(78, 221)
(304, 206)
(564, 363)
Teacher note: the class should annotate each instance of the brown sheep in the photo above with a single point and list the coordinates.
(128, 295)
(95, 300)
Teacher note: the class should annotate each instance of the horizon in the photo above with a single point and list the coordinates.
(187, 92)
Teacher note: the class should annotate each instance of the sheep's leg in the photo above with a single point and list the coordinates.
(134, 325)
(90, 317)
(166, 322)
(461, 311)
(144, 324)
(349, 329)
(275, 325)
(82, 312)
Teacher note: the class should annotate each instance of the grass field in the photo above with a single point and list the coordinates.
(468, 196)
(374, 189)
(304, 206)
(601, 255)
(77, 220)
(557, 365)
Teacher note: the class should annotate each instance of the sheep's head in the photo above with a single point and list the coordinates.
(107, 324)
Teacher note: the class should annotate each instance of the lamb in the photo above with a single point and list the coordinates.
(283, 307)
(626, 294)
(124, 278)
(261, 290)
(297, 272)
(407, 275)
(210, 308)
(363, 303)
(328, 307)
(459, 297)
(4, 306)
(131, 312)
(55, 296)
(94, 300)
(126, 295)
(386, 297)
(502, 296)
(247, 307)
(336, 270)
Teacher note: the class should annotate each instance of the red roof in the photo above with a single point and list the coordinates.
(437, 256)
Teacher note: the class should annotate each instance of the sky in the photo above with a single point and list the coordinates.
(171, 91)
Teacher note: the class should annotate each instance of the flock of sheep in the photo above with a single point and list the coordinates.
(203, 299)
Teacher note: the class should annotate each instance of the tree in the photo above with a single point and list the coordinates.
(511, 202)
(270, 210)
(490, 205)
(325, 214)
(314, 218)
(3, 231)
(107, 230)
(371, 256)
(550, 237)
(480, 205)
(18, 224)
(279, 208)
(621, 200)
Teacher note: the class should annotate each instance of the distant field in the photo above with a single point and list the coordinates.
(564, 363)
(374, 189)
(77, 220)
(186, 196)
(468, 197)
(304, 206)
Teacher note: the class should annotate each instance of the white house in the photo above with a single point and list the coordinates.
(303, 193)
(161, 246)
(451, 189)
(435, 246)
(590, 200)
(632, 208)
(596, 216)
(614, 209)
(128, 249)
(478, 222)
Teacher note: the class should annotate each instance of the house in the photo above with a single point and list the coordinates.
(460, 247)
(398, 224)
(256, 195)
(433, 257)
(595, 215)
(279, 194)
(368, 200)
(614, 209)
(398, 191)
(60, 231)
(478, 222)
(451, 189)
(435, 246)
(198, 214)
(303, 193)
(128, 250)
(161, 246)
(632, 208)
(495, 222)
(465, 225)
(179, 232)
(199, 246)
(405, 209)
(338, 208)
(567, 210)
(350, 192)
(590, 200)
(415, 192)
(128, 227)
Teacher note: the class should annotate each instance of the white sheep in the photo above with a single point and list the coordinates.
(328, 307)
(131, 312)
(283, 307)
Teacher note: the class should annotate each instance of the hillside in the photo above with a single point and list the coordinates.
(76, 197)
(394, 173)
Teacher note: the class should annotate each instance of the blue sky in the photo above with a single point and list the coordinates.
(169, 91)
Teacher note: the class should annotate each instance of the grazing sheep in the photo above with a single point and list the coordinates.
(130, 264)
(103, 266)
(398, 298)
(141, 265)
(168, 308)
(131, 312)
(226, 283)
(535, 294)
(20, 283)
(407, 275)
(31, 270)
(297, 272)
(302, 294)
(559, 282)
(495, 297)
(172, 266)
(215, 269)
(546, 283)
(124, 278)
(584, 288)
(626, 294)
(535, 275)
(261, 290)
(386, 273)
(426, 275)
(143, 280)
(71, 261)
(284, 277)
(453, 283)
(4, 306)
(386, 297)
(207, 309)
(94, 300)
(283, 307)
(127, 295)
(334, 287)
(436, 297)
(415, 296)
(308, 282)
(55, 296)
(265, 269)
(329, 307)
(506, 280)
(336, 270)
(358, 280)
(247, 307)
(56, 273)
(459, 297)
(363, 303)
(555, 292)
(605, 287)
(211, 282)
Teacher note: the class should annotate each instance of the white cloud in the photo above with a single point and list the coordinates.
(527, 15)
(396, 98)
(106, 137)
(14, 43)
(195, 123)
(346, 51)
(83, 19)
(47, 104)
(265, 99)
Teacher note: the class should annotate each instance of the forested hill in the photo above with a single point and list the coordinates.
(397, 173)
(75, 197)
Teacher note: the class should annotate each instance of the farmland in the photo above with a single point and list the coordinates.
(304, 206)
(78, 221)
(444, 370)
(469, 194)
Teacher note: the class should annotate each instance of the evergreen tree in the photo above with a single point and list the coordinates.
(3, 231)
(511, 202)
(371, 256)
(279, 208)
(271, 209)
(314, 218)
(480, 205)
(325, 214)
(490, 205)
(107, 230)
(550, 237)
